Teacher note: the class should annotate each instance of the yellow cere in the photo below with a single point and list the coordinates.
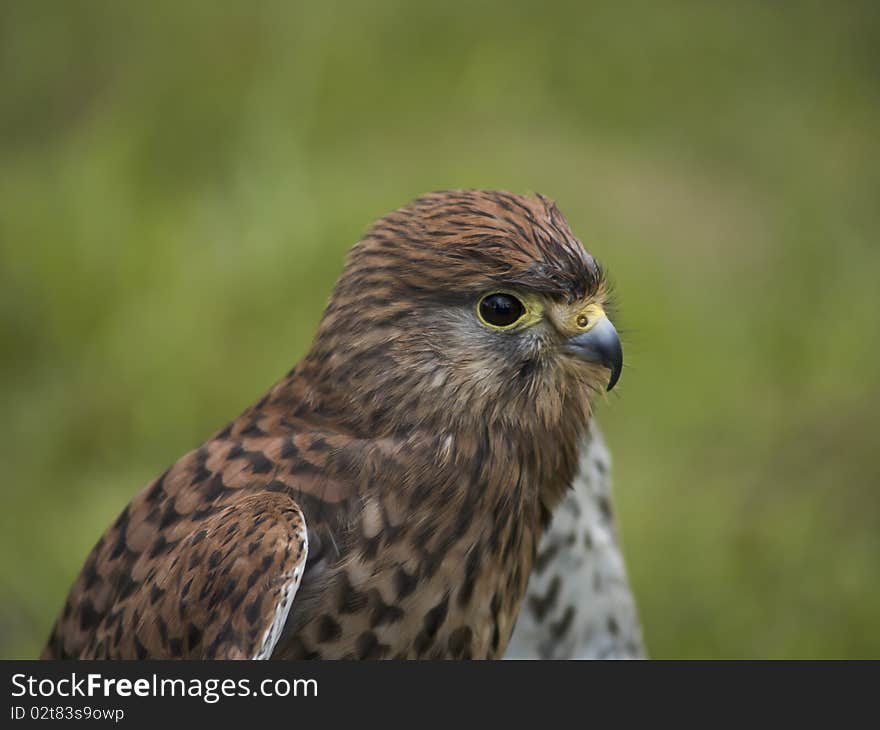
(574, 319)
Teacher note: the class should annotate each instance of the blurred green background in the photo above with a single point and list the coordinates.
(179, 183)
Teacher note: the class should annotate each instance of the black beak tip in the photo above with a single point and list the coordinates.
(614, 360)
(615, 376)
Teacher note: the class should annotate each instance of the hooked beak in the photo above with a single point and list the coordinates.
(601, 345)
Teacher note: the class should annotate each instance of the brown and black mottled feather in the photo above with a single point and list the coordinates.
(385, 499)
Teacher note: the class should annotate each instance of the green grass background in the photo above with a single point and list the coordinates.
(179, 183)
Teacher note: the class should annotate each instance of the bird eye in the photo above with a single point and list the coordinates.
(500, 310)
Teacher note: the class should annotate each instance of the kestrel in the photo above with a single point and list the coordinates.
(387, 497)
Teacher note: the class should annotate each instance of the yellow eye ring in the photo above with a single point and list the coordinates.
(500, 310)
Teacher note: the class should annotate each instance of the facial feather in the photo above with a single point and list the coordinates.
(401, 325)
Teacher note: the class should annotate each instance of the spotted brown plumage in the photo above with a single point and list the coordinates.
(578, 603)
(386, 498)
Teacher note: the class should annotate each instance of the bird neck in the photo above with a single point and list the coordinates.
(471, 457)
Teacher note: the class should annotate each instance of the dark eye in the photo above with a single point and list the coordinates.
(500, 310)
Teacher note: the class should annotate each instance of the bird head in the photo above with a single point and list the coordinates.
(468, 304)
